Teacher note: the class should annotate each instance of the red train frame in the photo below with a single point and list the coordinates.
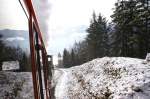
(38, 54)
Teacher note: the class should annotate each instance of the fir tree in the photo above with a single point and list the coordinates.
(97, 37)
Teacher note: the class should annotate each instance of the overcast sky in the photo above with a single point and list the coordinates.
(66, 20)
(12, 16)
(70, 18)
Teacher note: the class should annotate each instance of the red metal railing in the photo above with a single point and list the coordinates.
(38, 55)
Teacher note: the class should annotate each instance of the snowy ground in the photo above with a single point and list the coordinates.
(15, 85)
(104, 78)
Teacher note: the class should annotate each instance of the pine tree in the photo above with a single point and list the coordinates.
(60, 63)
(83, 54)
(131, 27)
(66, 58)
(1, 52)
(119, 18)
(143, 19)
(97, 37)
(72, 58)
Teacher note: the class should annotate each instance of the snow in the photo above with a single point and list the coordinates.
(10, 65)
(103, 78)
(16, 85)
(148, 57)
(61, 84)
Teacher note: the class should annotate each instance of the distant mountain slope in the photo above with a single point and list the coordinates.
(15, 38)
(13, 33)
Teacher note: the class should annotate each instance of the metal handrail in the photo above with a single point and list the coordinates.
(36, 35)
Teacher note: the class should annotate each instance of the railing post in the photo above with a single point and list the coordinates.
(35, 54)
(33, 61)
(38, 62)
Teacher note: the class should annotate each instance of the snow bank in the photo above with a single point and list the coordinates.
(16, 85)
(10, 65)
(104, 78)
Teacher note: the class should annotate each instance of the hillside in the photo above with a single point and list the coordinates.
(15, 38)
(104, 78)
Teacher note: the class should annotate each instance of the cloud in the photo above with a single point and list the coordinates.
(65, 39)
(70, 18)
(12, 16)
(15, 39)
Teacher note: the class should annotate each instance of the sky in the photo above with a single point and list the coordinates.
(12, 16)
(70, 18)
(62, 21)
